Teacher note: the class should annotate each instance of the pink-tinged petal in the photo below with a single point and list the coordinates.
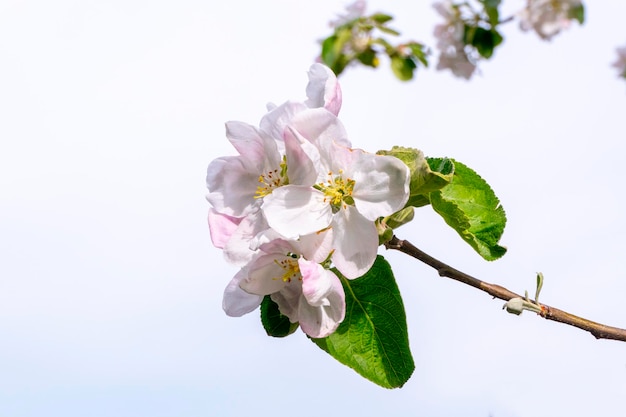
(322, 306)
(279, 246)
(294, 210)
(289, 299)
(319, 125)
(275, 122)
(301, 168)
(315, 282)
(266, 275)
(355, 243)
(258, 149)
(323, 89)
(221, 227)
(241, 247)
(237, 302)
(231, 186)
(381, 185)
(336, 158)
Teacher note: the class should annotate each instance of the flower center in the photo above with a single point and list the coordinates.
(337, 190)
(270, 180)
(290, 267)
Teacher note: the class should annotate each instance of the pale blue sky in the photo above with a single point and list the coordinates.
(110, 290)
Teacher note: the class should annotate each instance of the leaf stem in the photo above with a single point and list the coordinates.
(599, 331)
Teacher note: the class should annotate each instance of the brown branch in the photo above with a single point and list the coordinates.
(599, 331)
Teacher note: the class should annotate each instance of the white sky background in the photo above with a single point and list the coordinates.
(110, 290)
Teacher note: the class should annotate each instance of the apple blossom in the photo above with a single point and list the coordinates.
(237, 182)
(548, 17)
(296, 198)
(353, 189)
(450, 43)
(292, 274)
(353, 11)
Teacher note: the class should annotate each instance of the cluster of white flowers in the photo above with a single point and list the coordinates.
(449, 35)
(620, 63)
(548, 17)
(297, 200)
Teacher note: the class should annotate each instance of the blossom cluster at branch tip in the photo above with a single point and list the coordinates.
(450, 41)
(296, 201)
(548, 17)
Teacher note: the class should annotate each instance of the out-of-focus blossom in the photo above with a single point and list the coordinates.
(620, 63)
(548, 17)
(449, 35)
(353, 11)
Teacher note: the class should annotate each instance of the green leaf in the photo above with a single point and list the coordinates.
(388, 31)
(274, 322)
(578, 13)
(332, 50)
(399, 218)
(469, 206)
(373, 338)
(402, 67)
(381, 18)
(418, 52)
(491, 9)
(485, 41)
(441, 171)
(368, 57)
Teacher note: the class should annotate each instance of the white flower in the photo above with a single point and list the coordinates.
(291, 273)
(294, 199)
(620, 63)
(236, 183)
(449, 35)
(353, 189)
(548, 17)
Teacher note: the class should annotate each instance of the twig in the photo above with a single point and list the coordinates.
(599, 331)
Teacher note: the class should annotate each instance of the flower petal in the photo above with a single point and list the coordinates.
(288, 300)
(232, 186)
(381, 185)
(275, 122)
(318, 125)
(252, 145)
(241, 247)
(323, 89)
(237, 302)
(265, 275)
(301, 165)
(315, 283)
(221, 227)
(322, 306)
(355, 243)
(315, 247)
(294, 210)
